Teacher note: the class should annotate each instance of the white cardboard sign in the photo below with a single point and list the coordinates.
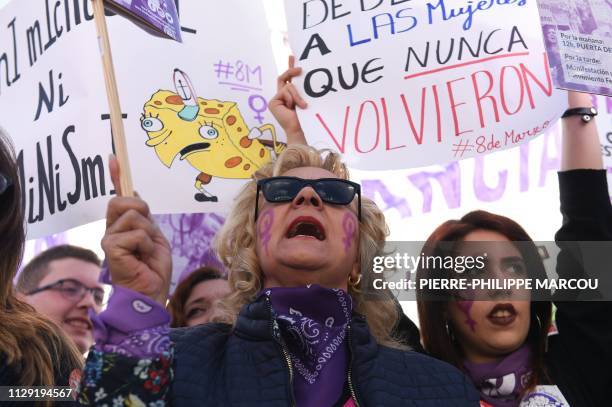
(404, 83)
(195, 114)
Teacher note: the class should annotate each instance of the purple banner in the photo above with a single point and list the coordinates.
(191, 238)
(160, 17)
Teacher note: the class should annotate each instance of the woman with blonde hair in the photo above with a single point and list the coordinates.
(33, 350)
(296, 328)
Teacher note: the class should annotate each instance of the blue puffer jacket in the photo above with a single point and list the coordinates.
(217, 366)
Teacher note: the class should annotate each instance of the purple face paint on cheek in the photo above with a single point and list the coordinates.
(465, 307)
(264, 227)
(349, 224)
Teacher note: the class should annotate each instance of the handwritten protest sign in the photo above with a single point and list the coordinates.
(404, 83)
(520, 183)
(578, 36)
(195, 114)
(158, 17)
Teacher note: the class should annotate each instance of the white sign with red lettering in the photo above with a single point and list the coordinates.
(405, 83)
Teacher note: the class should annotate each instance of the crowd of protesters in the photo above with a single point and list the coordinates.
(291, 324)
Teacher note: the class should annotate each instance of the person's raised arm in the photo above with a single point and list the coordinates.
(581, 148)
(132, 357)
(137, 253)
(585, 202)
(581, 351)
(283, 105)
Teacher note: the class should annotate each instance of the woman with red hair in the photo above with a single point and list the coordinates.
(501, 339)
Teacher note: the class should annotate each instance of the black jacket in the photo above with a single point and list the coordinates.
(579, 359)
(217, 366)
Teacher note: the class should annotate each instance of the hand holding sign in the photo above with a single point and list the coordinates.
(138, 255)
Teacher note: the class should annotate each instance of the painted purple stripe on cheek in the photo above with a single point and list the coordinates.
(264, 228)
(349, 224)
(465, 307)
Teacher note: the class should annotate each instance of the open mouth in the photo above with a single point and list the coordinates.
(502, 314)
(192, 148)
(306, 226)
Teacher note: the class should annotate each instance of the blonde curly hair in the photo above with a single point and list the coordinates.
(236, 242)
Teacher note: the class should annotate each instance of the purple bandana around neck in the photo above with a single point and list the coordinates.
(501, 383)
(312, 321)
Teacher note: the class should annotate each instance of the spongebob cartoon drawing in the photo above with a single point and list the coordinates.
(211, 135)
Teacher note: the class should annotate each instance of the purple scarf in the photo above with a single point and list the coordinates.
(312, 321)
(501, 383)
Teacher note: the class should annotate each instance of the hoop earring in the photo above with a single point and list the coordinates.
(352, 283)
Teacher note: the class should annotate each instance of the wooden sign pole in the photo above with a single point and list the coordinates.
(127, 188)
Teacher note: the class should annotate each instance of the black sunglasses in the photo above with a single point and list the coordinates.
(5, 183)
(331, 190)
(73, 290)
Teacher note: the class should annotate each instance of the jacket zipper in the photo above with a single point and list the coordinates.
(289, 365)
(276, 335)
(350, 380)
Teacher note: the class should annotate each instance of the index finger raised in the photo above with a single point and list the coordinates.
(287, 76)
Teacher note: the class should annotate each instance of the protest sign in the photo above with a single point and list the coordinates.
(158, 17)
(56, 113)
(519, 183)
(405, 83)
(578, 36)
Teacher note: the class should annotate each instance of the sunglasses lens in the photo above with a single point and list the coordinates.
(281, 189)
(335, 191)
